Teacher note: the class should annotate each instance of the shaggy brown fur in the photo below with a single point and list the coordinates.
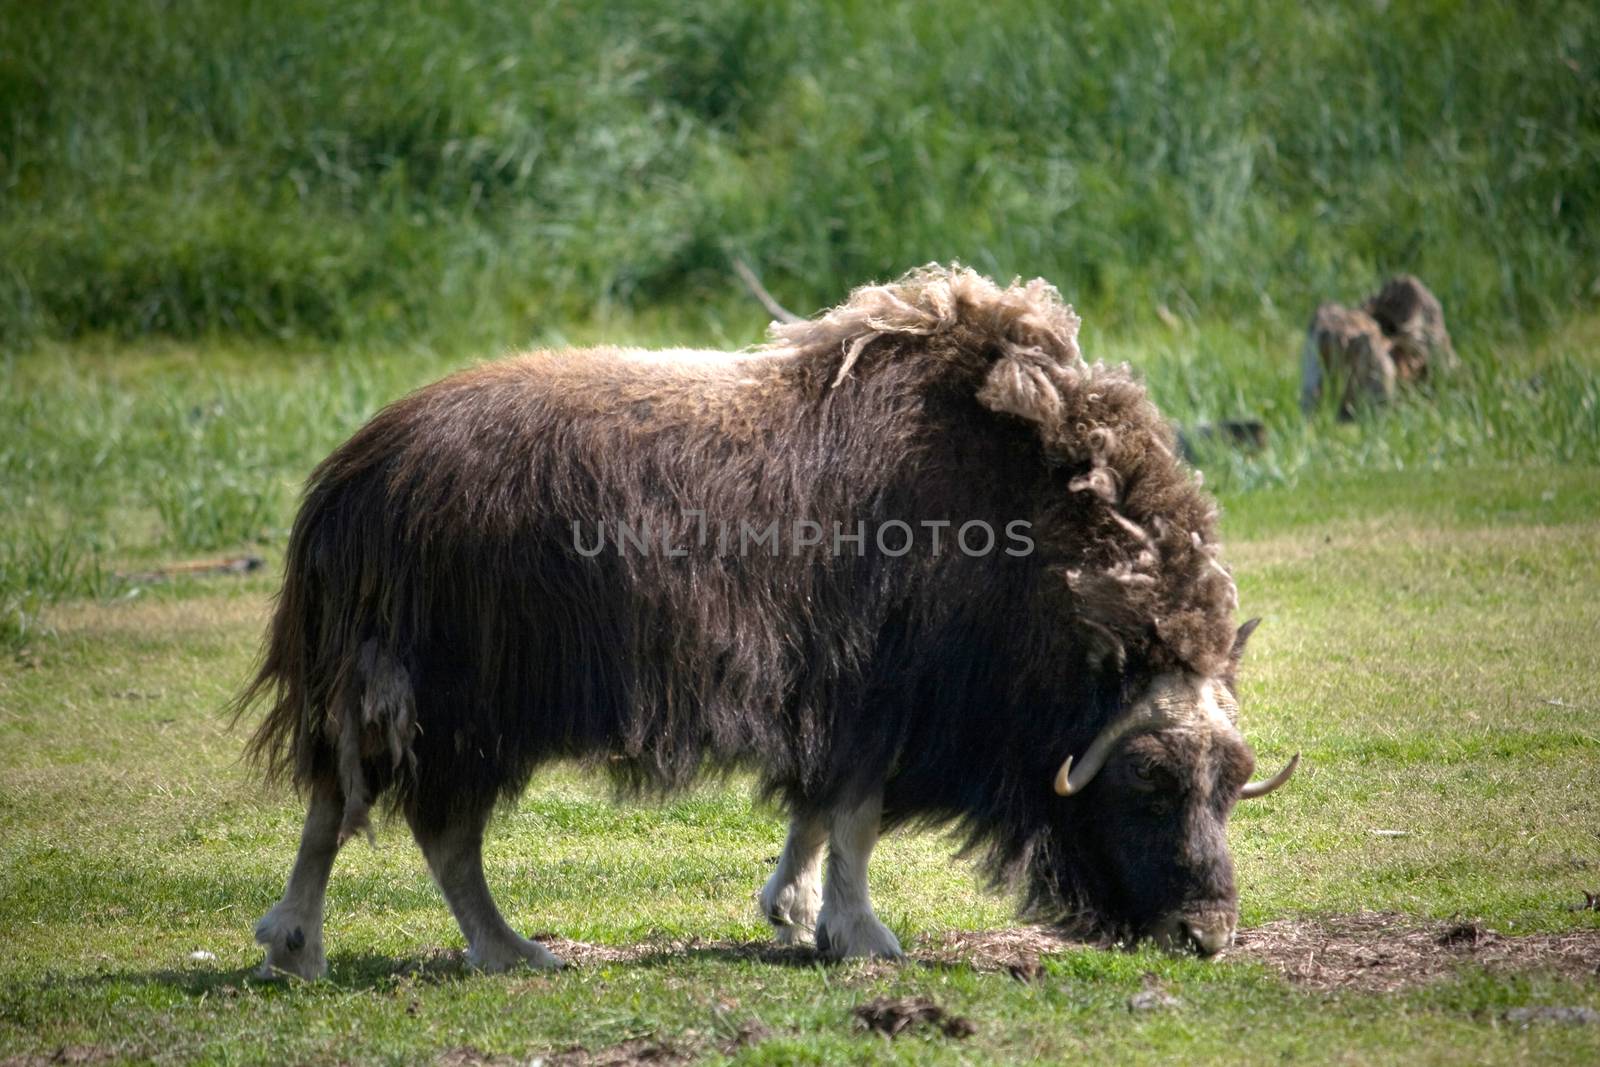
(1347, 348)
(1411, 317)
(1395, 337)
(438, 635)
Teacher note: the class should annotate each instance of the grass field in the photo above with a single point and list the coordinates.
(309, 171)
(230, 232)
(1429, 644)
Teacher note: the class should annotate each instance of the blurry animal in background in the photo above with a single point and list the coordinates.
(1345, 347)
(1411, 317)
(1071, 709)
(1395, 337)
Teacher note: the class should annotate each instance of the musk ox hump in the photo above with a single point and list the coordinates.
(1144, 561)
(959, 316)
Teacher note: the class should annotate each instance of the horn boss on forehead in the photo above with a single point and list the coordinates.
(1170, 703)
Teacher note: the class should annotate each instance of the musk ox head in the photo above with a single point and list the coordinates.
(1139, 829)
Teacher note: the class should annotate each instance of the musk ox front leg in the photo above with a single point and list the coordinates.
(847, 926)
(793, 894)
(455, 856)
(292, 930)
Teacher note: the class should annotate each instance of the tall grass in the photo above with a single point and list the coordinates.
(39, 567)
(482, 169)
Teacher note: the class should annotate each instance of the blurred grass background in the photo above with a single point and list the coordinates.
(480, 170)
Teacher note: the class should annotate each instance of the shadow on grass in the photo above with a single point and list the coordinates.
(1366, 952)
(351, 972)
(348, 972)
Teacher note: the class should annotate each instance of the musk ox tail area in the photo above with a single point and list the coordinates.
(343, 708)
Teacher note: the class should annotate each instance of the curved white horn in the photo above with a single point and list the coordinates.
(1063, 784)
(1261, 789)
(1071, 779)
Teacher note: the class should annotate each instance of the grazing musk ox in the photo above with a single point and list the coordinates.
(451, 617)
(1396, 337)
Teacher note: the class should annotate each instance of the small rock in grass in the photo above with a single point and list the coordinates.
(750, 1032)
(200, 955)
(1153, 1000)
(1153, 997)
(1026, 970)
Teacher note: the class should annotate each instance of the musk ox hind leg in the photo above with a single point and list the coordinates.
(792, 896)
(292, 930)
(847, 926)
(455, 856)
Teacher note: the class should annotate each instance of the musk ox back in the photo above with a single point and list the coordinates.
(913, 560)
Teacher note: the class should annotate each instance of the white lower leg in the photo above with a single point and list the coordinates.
(456, 859)
(292, 930)
(792, 896)
(847, 926)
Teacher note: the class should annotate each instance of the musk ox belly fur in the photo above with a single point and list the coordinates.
(445, 623)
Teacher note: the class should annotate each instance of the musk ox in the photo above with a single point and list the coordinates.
(1345, 348)
(1413, 319)
(547, 557)
(1395, 337)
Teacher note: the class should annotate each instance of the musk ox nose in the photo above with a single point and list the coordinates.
(1209, 935)
(1202, 933)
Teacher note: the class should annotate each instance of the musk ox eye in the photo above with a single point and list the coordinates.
(1146, 776)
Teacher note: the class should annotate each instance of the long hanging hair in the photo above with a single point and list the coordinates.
(438, 634)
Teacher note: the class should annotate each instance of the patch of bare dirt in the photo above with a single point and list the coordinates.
(467, 1056)
(639, 1050)
(584, 954)
(66, 1054)
(893, 1016)
(1368, 951)
(1015, 949)
(1380, 952)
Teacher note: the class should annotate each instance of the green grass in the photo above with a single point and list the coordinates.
(309, 171)
(118, 456)
(230, 232)
(1428, 644)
